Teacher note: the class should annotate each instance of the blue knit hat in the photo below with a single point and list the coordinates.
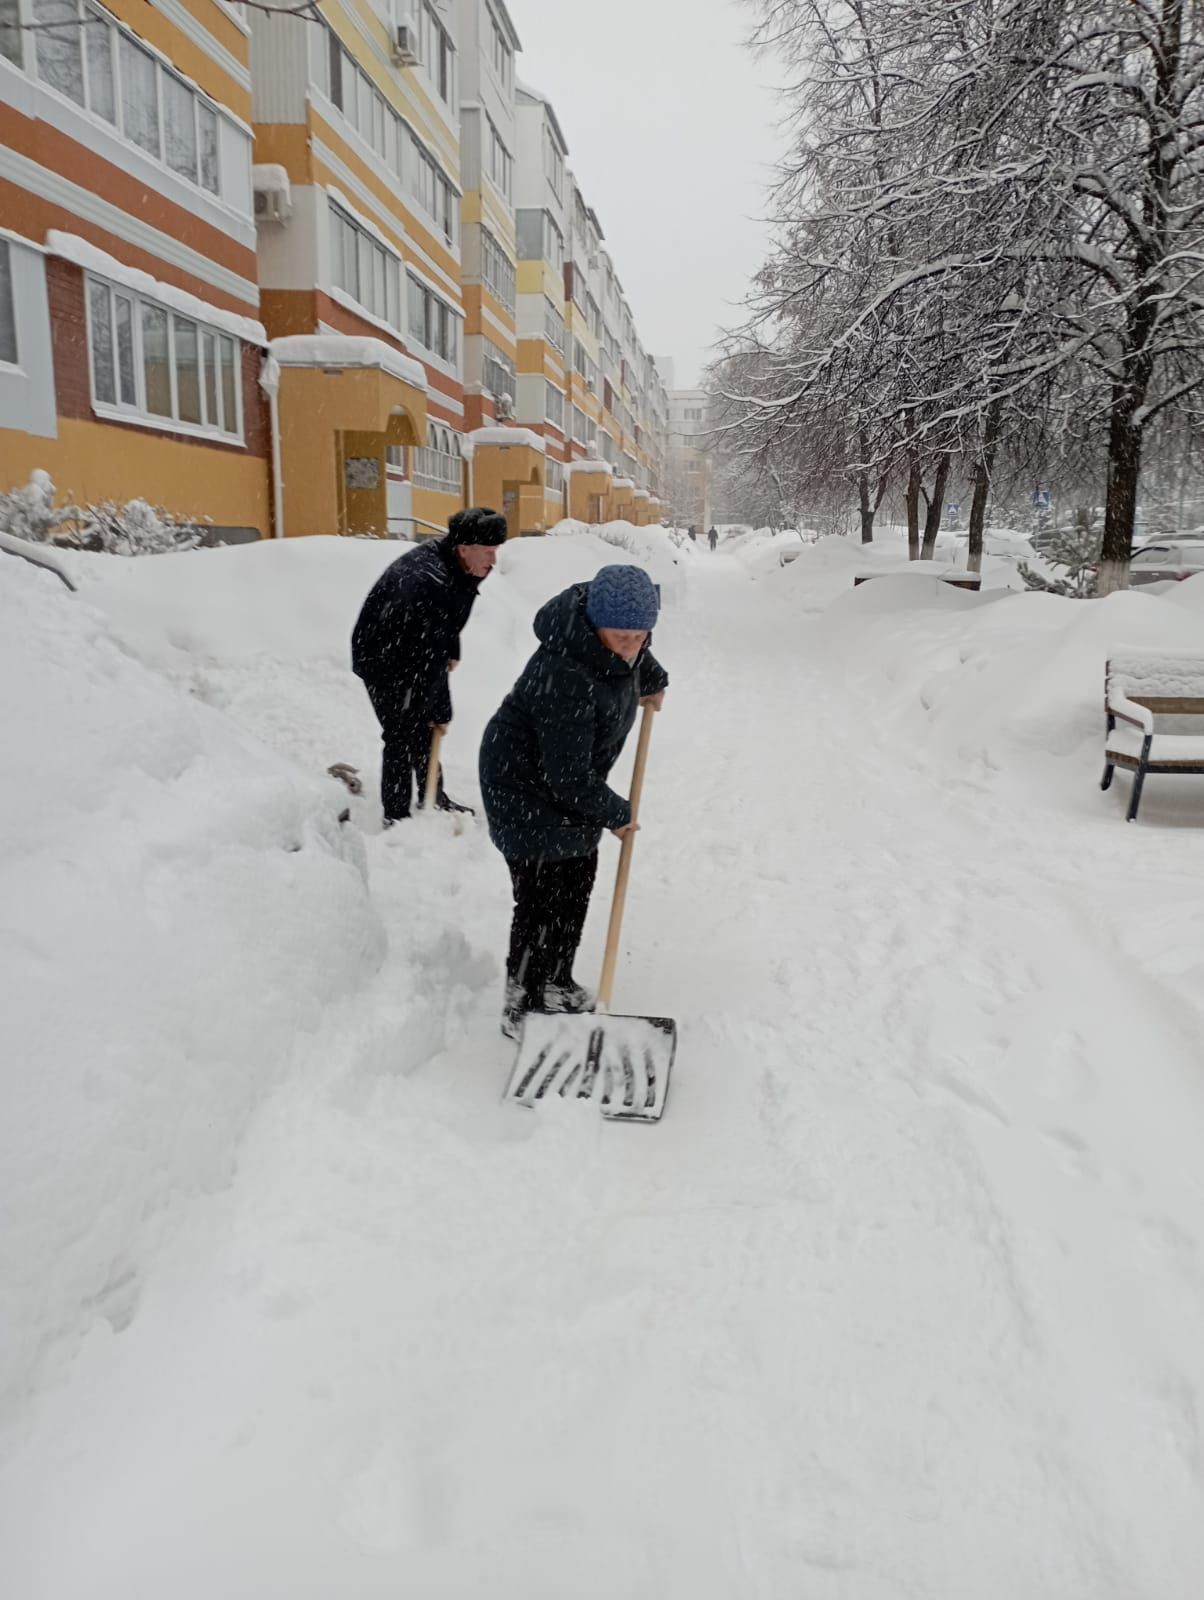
(623, 597)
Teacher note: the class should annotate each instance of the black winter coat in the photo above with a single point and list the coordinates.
(549, 749)
(410, 626)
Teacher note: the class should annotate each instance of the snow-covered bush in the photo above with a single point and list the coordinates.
(30, 513)
(1076, 550)
(132, 528)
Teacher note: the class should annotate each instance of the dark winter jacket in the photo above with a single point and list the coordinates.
(548, 751)
(409, 629)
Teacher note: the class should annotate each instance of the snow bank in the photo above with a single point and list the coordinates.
(177, 906)
(651, 546)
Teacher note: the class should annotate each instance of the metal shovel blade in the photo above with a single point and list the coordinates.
(623, 1063)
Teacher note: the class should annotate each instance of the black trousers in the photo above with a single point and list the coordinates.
(550, 902)
(406, 752)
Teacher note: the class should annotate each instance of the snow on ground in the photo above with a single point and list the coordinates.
(904, 1298)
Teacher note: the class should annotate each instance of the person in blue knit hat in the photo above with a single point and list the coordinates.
(545, 759)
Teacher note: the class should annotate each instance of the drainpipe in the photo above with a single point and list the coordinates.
(269, 382)
(277, 478)
(466, 450)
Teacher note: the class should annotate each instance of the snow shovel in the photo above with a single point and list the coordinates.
(622, 1062)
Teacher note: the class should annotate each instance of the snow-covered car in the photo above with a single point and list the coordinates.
(1166, 560)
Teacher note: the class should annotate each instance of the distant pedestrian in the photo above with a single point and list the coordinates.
(407, 641)
(545, 759)
(713, 537)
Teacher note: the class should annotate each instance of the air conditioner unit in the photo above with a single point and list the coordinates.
(272, 205)
(405, 45)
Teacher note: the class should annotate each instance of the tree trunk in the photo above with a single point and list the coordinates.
(1120, 508)
(913, 511)
(866, 507)
(936, 505)
(982, 486)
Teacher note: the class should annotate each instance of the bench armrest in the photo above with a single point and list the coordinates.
(1129, 711)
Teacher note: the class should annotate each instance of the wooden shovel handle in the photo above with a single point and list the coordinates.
(610, 960)
(432, 772)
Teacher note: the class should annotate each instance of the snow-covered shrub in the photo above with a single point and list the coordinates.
(30, 513)
(1076, 550)
(132, 528)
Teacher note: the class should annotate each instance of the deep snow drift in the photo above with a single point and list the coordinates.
(904, 1298)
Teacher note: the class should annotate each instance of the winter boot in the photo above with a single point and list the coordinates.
(514, 1008)
(568, 995)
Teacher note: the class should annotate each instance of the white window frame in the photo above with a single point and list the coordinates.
(502, 287)
(136, 411)
(554, 330)
(366, 239)
(498, 51)
(494, 357)
(162, 68)
(550, 407)
(438, 465)
(13, 363)
(451, 318)
(499, 163)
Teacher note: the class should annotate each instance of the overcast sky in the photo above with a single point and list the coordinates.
(669, 123)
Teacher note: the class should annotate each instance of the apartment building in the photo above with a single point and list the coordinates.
(130, 339)
(342, 252)
(690, 474)
(541, 201)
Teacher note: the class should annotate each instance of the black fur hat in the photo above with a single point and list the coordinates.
(477, 525)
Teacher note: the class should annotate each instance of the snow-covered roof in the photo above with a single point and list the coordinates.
(589, 466)
(70, 247)
(508, 437)
(623, 483)
(341, 350)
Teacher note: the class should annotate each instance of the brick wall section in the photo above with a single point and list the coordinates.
(69, 333)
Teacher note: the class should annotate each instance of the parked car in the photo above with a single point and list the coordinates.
(1166, 560)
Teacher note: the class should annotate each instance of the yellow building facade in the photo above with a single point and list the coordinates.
(289, 275)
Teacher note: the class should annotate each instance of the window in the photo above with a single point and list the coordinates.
(553, 245)
(432, 323)
(497, 48)
(553, 327)
(553, 405)
(580, 426)
(83, 54)
(498, 374)
(438, 465)
(431, 188)
(438, 53)
(363, 268)
(8, 312)
(593, 315)
(553, 161)
(587, 368)
(497, 270)
(499, 164)
(152, 362)
(10, 32)
(554, 477)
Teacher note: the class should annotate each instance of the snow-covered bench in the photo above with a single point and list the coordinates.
(956, 577)
(1155, 707)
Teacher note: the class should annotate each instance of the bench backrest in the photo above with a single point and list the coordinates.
(1166, 682)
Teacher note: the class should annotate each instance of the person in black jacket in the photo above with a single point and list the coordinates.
(545, 758)
(407, 641)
